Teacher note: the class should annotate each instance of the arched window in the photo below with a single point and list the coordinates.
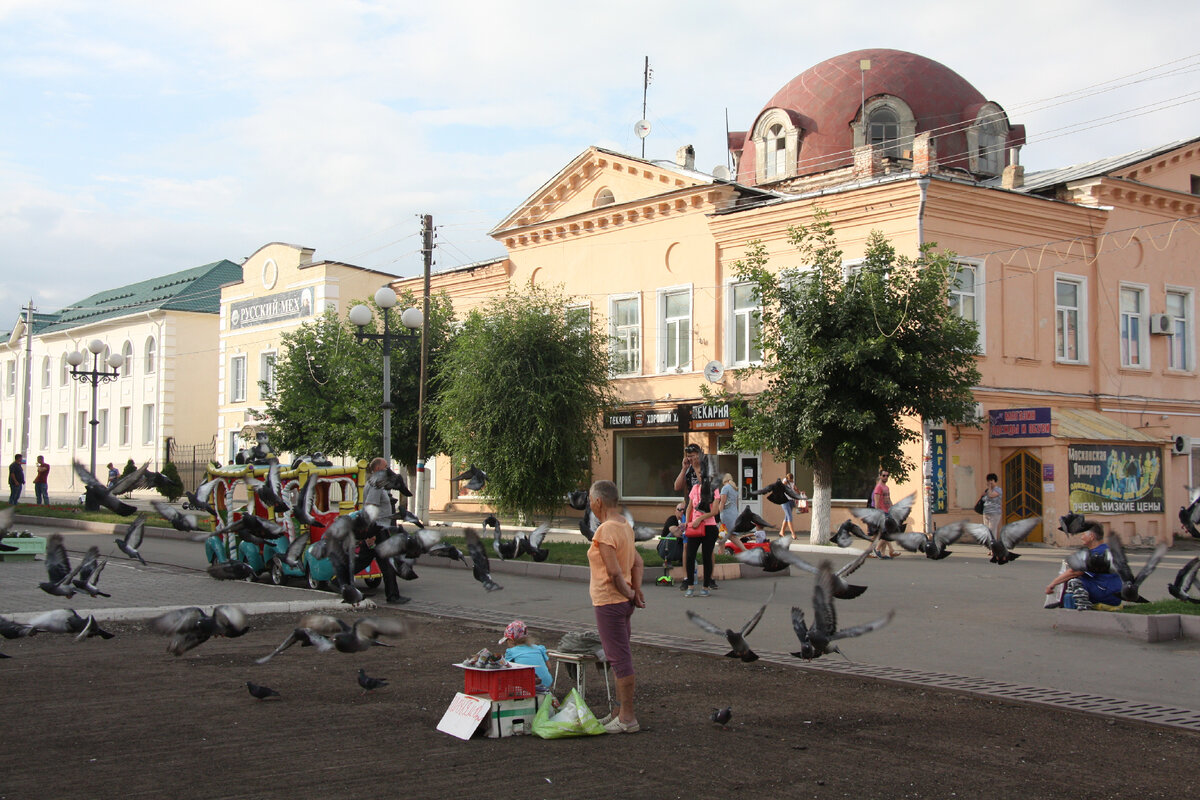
(151, 350)
(64, 371)
(776, 147)
(604, 197)
(986, 140)
(883, 129)
(888, 125)
(45, 372)
(127, 354)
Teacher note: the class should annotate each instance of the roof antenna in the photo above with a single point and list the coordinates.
(642, 128)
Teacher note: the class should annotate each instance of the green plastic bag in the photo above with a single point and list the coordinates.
(571, 717)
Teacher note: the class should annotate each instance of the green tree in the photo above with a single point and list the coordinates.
(522, 389)
(329, 387)
(847, 357)
(173, 490)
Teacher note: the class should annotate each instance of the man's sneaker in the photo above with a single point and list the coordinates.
(616, 726)
(690, 593)
(1082, 601)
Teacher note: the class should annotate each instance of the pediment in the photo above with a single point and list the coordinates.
(594, 180)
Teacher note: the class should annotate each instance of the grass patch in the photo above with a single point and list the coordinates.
(103, 515)
(1162, 607)
(575, 553)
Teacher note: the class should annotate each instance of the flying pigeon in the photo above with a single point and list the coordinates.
(531, 543)
(748, 521)
(231, 571)
(934, 546)
(191, 627)
(199, 499)
(132, 540)
(65, 620)
(1002, 545)
(481, 567)
(1072, 523)
(474, 476)
(295, 550)
(185, 523)
(58, 569)
(367, 682)
(1184, 581)
(362, 635)
(101, 493)
(141, 478)
(736, 639)
(15, 630)
(839, 588)
(721, 716)
(770, 559)
(887, 522)
(503, 550)
(270, 491)
(261, 692)
(578, 499)
(254, 529)
(778, 493)
(1097, 562)
(819, 639)
(1131, 585)
(89, 573)
(302, 510)
(386, 479)
(1190, 515)
(847, 533)
(306, 637)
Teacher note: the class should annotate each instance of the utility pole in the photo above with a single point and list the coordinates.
(29, 309)
(645, 86)
(422, 494)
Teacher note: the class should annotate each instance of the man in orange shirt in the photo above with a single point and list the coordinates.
(615, 589)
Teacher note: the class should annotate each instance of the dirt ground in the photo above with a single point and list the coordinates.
(122, 719)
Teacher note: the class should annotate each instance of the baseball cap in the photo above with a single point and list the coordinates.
(515, 630)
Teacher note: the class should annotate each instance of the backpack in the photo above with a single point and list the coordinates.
(871, 497)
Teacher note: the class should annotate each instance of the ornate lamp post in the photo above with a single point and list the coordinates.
(411, 319)
(95, 376)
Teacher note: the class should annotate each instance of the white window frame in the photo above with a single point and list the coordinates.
(125, 425)
(237, 391)
(1082, 334)
(44, 432)
(976, 266)
(586, 308)
(735, 319)
(262, 372)
(102, 428)
(620, 334)
(150, 354)
(148, 423)
(1188, 334)
(82, 430)
(46, 372)
(1142, 319)
(127, 354)
(678, 361)
(64, 430)
(64, 371)
(10, 379)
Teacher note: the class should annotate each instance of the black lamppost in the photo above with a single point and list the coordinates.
(412, 319)
(95, 376)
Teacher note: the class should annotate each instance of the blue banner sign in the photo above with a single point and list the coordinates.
(1018, 423)
(1107, 479)
(938, 469)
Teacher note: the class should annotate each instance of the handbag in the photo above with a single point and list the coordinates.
(979, 504)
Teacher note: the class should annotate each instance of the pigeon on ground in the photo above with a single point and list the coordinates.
(101, 493)
(736, 639)
(261, 692)
(934, 546)
(306, 637)
(886, 522)
(15, 630)
(721, 716)
(65, 620)
(475, 478)
(184, 523)
(387, 480)
(362, 635)
(481, 567)
(747, 521)
(231, 571)
(1185, 580)
(132, 540)
(1130, 585)
(89, 573)
(58, 569)
(367, 682)
(199, 499)
(1010, 535)
(191, 627)
(6, 521)
(846, 534)
(819, 639)
(778, 493)
(840, 588)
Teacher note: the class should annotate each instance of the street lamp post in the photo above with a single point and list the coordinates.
(411, 319)
(95, 376)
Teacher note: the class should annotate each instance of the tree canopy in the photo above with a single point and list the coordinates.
(521, 392)
(329, 387)
(847, 354)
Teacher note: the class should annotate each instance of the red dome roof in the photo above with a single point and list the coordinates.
(825, 101)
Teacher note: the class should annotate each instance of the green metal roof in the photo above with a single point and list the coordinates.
(197, 289)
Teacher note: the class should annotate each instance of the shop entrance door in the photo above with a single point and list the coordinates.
(1021, 480)
(747, 478)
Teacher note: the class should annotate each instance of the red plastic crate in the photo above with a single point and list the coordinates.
(510, 683)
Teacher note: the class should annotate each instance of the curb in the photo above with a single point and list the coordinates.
(1143, 627)
(141, 614)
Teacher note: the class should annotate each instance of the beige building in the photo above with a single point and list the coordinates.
(164, 329)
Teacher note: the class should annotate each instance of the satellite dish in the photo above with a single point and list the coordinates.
(714, 371)
(641, 128)
(721, 172)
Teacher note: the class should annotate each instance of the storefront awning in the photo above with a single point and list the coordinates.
(1085, 425)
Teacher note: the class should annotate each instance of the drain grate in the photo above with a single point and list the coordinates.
(1074, 701)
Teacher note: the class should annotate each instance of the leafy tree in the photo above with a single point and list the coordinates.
(522, 389)
(173, 490)
(329, 387)
(846, 358)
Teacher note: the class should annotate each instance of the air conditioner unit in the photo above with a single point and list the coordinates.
(1160, 324)
(1181, 445)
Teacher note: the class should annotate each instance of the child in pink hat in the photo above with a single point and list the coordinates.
(523, 650)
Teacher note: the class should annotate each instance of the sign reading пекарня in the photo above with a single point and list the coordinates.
(1115, 479)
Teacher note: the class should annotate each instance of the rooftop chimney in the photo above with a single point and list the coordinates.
(1013, 176)
(867, 163)
(686, 157)
(924, 153)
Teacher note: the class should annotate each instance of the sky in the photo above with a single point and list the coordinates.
(142, 138)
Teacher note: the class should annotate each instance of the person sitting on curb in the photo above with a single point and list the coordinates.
(1085, 590)
(523, 650)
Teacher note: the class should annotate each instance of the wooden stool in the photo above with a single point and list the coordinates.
(580, 660)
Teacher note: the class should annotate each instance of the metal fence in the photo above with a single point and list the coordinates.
(191, 460)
